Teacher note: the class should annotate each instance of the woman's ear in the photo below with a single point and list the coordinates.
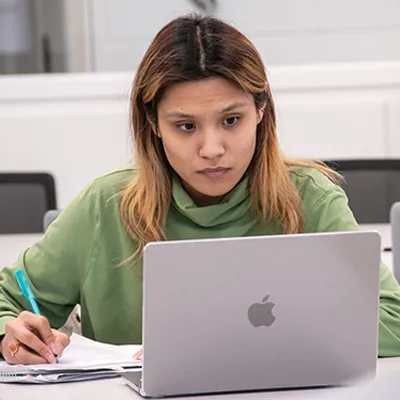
(153, 125)
(260, 113)
(261, 110)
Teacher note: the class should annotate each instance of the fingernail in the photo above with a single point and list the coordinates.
(50, 358)
(54, 349)
(59, 350)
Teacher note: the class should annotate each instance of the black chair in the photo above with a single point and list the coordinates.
(372, 186)
(24, 200)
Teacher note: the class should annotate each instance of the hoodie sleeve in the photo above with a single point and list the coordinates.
(332, 213)
(54, 266)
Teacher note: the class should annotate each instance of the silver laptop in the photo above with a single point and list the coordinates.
(395, 222)
(254, 313)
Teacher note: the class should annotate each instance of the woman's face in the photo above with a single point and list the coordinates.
(208, 130)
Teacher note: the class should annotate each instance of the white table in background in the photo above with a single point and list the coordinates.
(385, 386)
(384, 230)
(11, 246)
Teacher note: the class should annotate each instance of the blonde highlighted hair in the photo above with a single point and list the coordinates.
(192, 48)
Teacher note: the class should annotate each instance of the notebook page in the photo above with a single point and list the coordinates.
(82, 355)
(56, 377)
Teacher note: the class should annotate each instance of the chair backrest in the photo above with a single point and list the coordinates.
(372, 186)
(49, 217)
(395, 222)
(24, 199)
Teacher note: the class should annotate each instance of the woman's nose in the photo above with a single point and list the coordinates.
(211, 146)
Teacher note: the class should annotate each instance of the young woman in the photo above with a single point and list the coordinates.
(208, 166)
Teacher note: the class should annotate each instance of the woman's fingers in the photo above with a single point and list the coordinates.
(61, 342)
(27, 329)
(34, 340)
(41, 325)
(26, 357)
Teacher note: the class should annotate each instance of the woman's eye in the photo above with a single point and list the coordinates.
(231, 121)
(187, 127)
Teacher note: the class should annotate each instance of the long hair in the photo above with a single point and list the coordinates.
(193, 48)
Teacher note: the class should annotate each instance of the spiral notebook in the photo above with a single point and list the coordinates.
(83, 359)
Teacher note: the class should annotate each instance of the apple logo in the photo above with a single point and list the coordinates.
(260, 314)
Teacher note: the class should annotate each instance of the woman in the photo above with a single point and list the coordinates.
(208, 166)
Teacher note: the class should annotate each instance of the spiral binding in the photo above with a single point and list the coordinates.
(11, 373)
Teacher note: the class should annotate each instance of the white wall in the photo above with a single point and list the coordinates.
(76, 125)
(339, 111)
(284, 31)
(394, 126)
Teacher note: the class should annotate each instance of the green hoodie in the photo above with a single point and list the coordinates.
(75, 261)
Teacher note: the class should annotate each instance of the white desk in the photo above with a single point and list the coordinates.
(12, 245)
(386, 386)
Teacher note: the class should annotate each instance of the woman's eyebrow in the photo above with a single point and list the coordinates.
(231, 107)
(178, 114)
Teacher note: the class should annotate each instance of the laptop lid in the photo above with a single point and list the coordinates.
(260, 312)
(395, 223)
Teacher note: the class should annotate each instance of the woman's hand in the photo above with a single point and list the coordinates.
(30, 340)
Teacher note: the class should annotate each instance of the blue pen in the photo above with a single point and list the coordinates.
(27, 292)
